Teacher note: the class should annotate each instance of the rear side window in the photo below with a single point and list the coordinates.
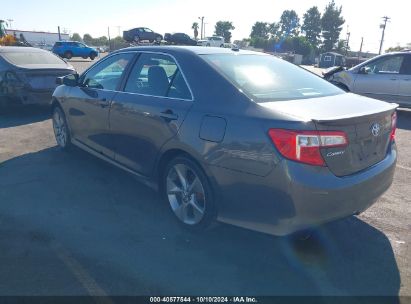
(58, 44)
(157, 75)
(267, 78)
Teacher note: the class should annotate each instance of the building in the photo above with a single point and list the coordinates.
(331, 59)
(44, 40)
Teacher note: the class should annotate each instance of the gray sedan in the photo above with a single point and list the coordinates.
(240, 137)
(28, 75)
(386, 77)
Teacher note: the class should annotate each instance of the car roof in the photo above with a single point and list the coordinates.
(19, 49)
(197, 50)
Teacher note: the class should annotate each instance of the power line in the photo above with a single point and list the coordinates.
(383, 26)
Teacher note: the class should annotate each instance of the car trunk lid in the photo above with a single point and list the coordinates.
(366, 122)
(44, 79)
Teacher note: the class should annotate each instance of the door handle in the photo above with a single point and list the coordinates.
(169, 115)
(103, 103)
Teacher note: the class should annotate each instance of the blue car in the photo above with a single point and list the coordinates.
(70, 49)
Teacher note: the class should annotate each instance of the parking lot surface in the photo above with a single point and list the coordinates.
(74, 225)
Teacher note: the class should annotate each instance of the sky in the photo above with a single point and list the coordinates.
(363, 17)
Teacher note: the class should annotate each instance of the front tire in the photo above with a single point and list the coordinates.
(187, 191)
(93, 56)
(60, 128)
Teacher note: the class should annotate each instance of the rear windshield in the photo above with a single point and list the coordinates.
(31, 58)
(267, 78)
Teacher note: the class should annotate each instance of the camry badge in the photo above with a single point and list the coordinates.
(375, 129)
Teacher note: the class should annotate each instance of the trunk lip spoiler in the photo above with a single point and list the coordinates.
(393, 107)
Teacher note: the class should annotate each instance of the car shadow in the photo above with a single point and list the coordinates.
(119, 233)
(21, 115)
(404, 119)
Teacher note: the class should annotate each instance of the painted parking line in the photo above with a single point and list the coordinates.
(81, 275)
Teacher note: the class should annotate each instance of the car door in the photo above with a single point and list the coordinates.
(83, 50)
(75, 49)
(149, 111)
(380, 78)
(89, 103)
(404, 95)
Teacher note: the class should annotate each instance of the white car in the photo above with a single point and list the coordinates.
(217, 41)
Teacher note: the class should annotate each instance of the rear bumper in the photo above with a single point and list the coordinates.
(295, 196)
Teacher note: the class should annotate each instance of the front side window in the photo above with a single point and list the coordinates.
(157, 75)
(107, 74)
(387, 65)
(266, 78)
(148, 30)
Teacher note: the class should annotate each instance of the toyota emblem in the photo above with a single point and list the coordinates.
(375, 129)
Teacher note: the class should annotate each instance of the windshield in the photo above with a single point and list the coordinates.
(32, 58)
(267, 78)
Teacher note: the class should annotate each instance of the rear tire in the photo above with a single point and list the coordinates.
(187, 191)
(60, 128)
(68, 55)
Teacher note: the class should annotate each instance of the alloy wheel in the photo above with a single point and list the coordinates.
(60, 128)
(186, 194)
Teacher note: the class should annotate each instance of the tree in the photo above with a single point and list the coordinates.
(195, 28)
(75, 37)
(260, 29)
(299, 45)
(312, 26)
(88, 39)
(399, 48)
(224, 28)
(289, 23)
(101, 41)
(331, 23)
(274, 30)
(342, 46)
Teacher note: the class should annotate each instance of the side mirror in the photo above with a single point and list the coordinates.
(363, 70)
(70, 80)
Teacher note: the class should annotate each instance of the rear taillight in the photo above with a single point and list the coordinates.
(304, 146)
(393, 125)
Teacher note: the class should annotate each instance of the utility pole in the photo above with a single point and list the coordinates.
(109, 40)
(348, 43)
(383, 26)
(58, 29)
(202, 26)
(359, 53)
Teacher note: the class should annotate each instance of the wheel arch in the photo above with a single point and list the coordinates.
(173, 152)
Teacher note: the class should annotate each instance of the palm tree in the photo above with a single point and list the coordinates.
(195, 28)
